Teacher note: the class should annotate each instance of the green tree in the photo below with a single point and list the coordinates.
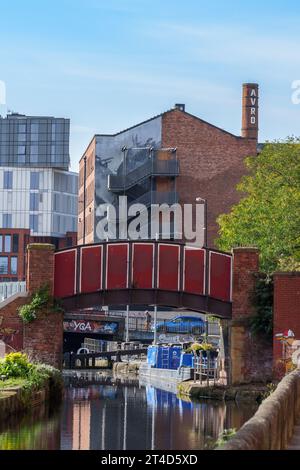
(268, 216)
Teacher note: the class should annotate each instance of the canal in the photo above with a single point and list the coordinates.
(101, 412)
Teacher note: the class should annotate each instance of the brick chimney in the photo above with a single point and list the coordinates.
(250, 111)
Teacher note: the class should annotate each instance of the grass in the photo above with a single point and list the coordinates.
(12, 382)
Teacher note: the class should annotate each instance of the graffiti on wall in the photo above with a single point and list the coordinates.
(85, 326)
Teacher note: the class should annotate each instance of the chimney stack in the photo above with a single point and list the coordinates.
(250, 111)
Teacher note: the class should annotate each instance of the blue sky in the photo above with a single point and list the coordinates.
(109, 64)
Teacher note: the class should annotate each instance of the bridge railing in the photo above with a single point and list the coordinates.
(160, 270)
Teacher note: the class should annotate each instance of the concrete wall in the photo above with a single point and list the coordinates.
(271, 428)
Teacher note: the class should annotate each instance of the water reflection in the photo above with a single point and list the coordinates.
(38, 429)
(124, 414)
(105, 413)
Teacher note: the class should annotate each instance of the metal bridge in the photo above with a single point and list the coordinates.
(144, 273)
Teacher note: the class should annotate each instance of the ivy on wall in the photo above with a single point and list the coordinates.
(262, 322)
(40, 300)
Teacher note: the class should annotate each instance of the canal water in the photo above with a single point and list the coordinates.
(101, 412)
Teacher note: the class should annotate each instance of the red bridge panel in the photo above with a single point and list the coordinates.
(220, 276)
(117, 266)
(168, 267)
(194, 273)
(64, 273)
(91, 269)
(142, 265)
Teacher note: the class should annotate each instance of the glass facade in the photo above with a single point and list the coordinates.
(7, 221)
(30, 140)
(8, 180)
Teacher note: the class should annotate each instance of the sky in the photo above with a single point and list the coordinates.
(109, 64)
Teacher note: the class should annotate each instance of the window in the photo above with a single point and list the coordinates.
(21, 150)
(13, 265)
(34, 129)
(1, 240)
(15, 243)
(34, 180)
(33, 222)
(7, 243)
(22, 128)
(7, 221)
(34, 202)
(21, 137)
(53, 130)
(8, 179)
(34, 150)
(3, 265)
(52, 153)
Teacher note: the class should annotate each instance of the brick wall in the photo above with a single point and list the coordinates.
(251, 355)
(245, 265)
(40, 267)
(11, 325)
(286, 310)
(211, 163)
(41, 339)
(90, 194)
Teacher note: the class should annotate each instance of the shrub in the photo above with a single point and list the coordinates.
(193, 348)
(39, 300)
(206, 346)
(15, 365)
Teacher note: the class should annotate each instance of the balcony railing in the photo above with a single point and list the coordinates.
(150, 168)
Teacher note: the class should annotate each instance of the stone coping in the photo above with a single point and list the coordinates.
(40, 246)
(272, 426)
(13, 297)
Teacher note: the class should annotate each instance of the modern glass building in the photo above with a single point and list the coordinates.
(38, 193)
(34, 141)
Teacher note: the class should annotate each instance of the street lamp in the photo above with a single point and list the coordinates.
(204, 201)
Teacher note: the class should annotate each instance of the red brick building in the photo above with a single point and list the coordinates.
(190, 158)
(13, 243)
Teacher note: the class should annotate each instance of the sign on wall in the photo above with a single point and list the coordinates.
(86, 326)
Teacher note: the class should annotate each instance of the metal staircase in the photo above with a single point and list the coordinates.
(168, 168)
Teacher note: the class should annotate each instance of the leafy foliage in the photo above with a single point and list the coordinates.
(196, 347)
(15, 365)
(262, 322)
(268, 216)
(225, 436)
(40, 299)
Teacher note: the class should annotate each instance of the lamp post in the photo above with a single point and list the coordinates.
(204, 201)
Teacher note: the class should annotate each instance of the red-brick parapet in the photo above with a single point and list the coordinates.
(245, 266)
(40, 267)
